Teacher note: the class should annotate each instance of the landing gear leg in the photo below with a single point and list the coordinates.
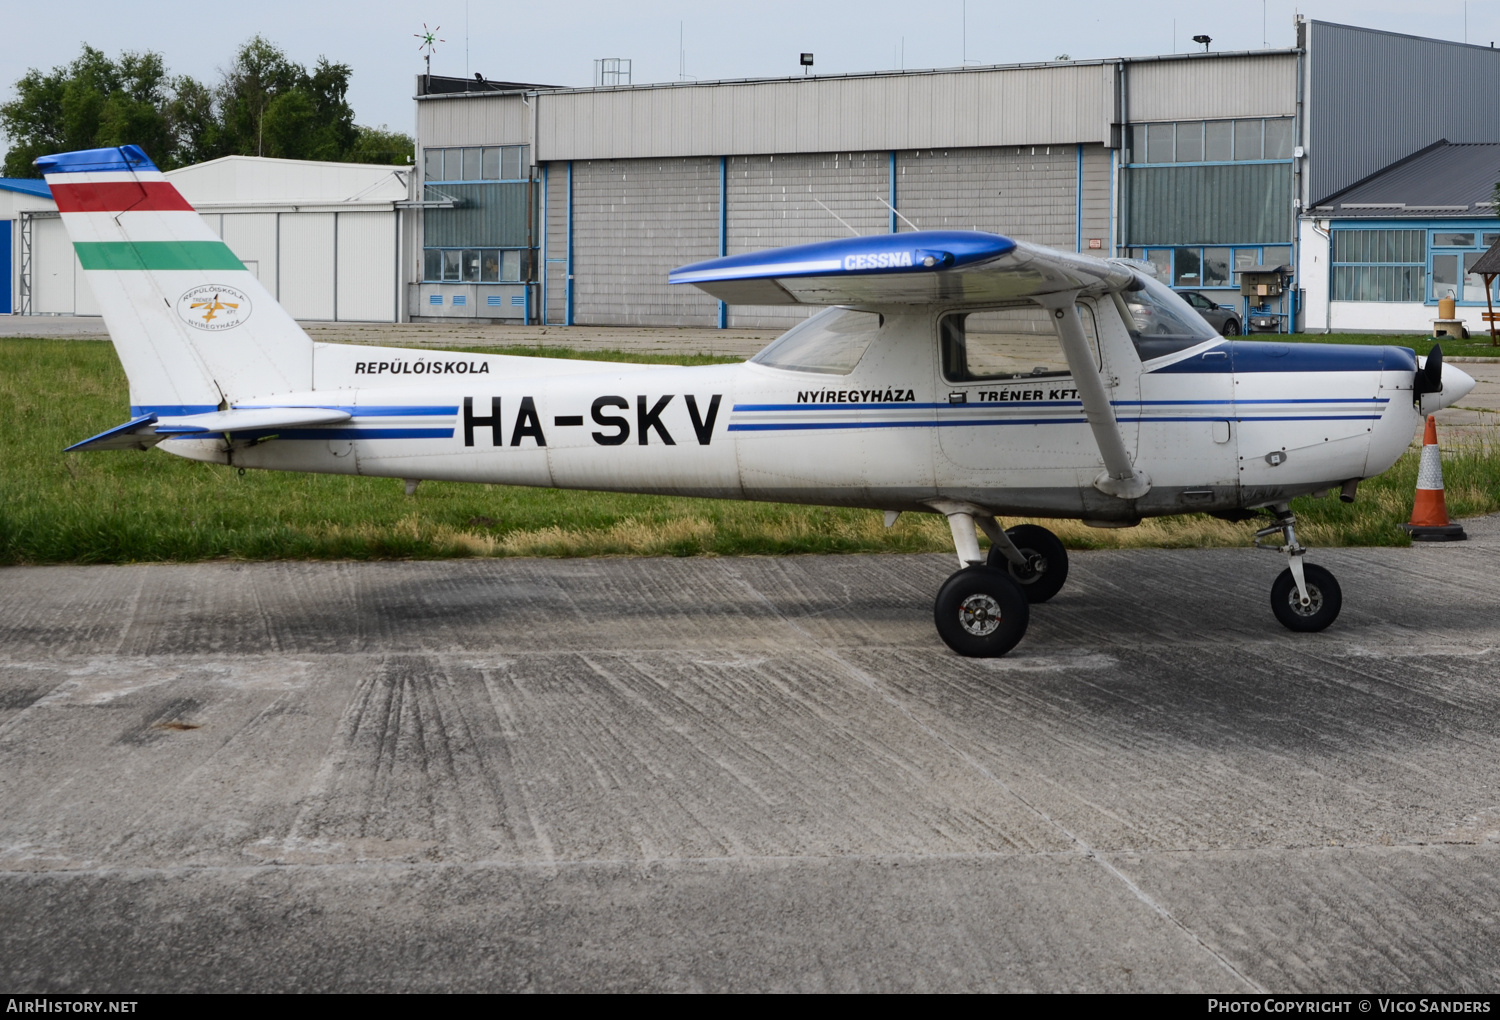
(980, 611)
(1305, 597)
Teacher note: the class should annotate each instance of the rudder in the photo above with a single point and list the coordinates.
(194, 329)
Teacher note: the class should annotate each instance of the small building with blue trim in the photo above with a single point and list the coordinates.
(19, 197)
(1379, 255)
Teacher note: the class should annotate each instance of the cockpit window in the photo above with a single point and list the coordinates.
(1161, 322)
(1019, 342)
(831, 342)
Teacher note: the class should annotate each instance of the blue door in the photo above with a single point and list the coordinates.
(5, 295)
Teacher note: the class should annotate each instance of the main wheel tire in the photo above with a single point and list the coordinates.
(980, 612)
(1231, 328)
(1047, 562)
(1322, 590)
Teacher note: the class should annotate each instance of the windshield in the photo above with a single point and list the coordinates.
(831, 342)
(1160, 322)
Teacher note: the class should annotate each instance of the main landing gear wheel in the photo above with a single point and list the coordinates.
(980, 612)
(1324, 599)
(1046, 562)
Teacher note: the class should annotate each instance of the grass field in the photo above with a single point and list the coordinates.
(125, 506)
(1476, 346)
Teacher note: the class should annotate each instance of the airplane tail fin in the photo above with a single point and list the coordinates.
(194, 329)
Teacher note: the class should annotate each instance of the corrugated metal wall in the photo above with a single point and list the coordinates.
(773, 201)
(1054, 104)
(489, 215)
(1375, 97)
(307, 270)
(1025, 192)
(633, 221)
(366, 264)
(1097, 200)
(487, 120)
(555, 245)
(1195, 88)
(1244, 203)
(252, 237)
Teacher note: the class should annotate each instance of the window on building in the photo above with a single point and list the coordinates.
(1214, 141)
(1159, 143)
(1279, 139)
(1218, 141)
(473, 265)
(476, 163)
(1190, 142)
(1187, 267)
(1247, 139)
(1382, 265)
(1450, 273)
(1193, 268)
(1215, 264)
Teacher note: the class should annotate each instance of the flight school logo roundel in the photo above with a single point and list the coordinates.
(213, 307)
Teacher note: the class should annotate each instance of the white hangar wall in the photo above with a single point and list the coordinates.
(321, 237)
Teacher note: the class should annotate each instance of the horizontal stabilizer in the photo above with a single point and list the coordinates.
(919, 267)
(250, 419)
(145, 432)
(135, 434)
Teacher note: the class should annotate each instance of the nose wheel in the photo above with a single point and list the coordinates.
(1305, 597)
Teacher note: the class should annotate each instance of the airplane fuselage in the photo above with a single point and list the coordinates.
(1218, 426)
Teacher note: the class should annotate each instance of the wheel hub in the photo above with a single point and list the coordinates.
(979, 615)
(1314, 601)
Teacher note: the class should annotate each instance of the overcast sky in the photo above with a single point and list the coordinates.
(556, 42)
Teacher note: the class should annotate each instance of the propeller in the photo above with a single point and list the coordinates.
(1429, 378)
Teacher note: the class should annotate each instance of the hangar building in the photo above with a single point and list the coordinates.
(570, 205)
(321, 237)
(1362, 160)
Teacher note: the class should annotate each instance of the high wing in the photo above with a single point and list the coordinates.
(932, 267)
(943, 267)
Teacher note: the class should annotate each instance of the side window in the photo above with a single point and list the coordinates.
(1018, 342)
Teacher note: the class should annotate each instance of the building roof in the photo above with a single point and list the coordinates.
(246, 181)
(1487, 263)
(1446, 180)
(26, 186)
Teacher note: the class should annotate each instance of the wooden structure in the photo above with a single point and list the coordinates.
(1487, 268)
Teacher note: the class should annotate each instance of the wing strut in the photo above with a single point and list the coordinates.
(1121, 478)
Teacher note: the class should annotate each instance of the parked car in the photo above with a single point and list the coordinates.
(1223, 318)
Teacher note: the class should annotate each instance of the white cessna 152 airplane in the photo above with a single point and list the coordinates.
(953, 372)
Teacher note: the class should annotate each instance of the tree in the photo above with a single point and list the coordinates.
(265, 104)
(382, 145)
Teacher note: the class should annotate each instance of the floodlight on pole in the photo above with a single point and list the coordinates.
(807, 61)
(1205, 40)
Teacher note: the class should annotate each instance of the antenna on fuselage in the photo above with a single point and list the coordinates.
(893, 209)
(836, 216)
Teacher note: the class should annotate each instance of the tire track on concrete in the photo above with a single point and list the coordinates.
(880, 690)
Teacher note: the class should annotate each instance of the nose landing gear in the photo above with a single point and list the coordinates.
(1304, 597)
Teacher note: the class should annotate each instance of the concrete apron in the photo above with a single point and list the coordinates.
(747, 774)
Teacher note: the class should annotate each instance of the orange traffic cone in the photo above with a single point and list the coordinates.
(1429, 514)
